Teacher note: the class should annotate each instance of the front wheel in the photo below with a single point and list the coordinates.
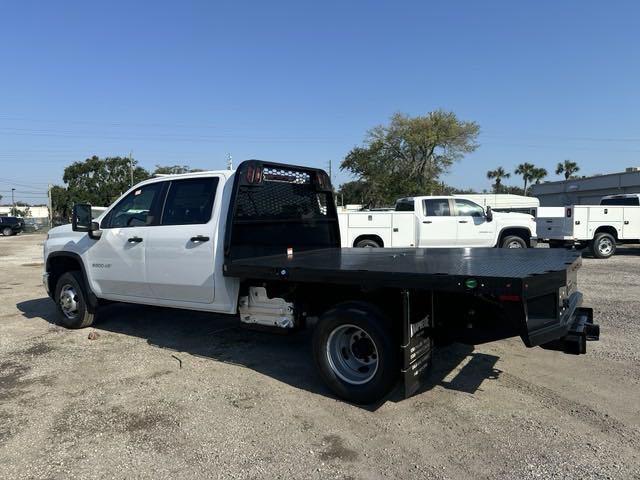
(513, 241)
(71, 300)
(6, 231)
(603, 245)
(356, 353)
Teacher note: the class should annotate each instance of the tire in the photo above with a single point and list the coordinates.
(603, 245)
(367, 242)
(356, 352)
(71, 300)
(7, 231)
(513, 241)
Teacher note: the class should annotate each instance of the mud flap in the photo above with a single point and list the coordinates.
(417, 347)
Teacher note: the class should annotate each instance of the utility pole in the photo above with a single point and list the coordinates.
(13, 202)
(50, 205)
(131, 166)
(330, 172)
(229, 162)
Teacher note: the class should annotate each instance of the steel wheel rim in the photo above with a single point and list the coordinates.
(69, 301)
(605, 246)
(514, 244)
(352, 354)
(6, 232)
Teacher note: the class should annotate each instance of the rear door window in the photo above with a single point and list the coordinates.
(437, 207)
(189, 201)
(626, 201)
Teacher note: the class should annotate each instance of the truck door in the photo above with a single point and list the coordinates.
(473, 228)
(437, 227)
(116, 262)
(180, 251)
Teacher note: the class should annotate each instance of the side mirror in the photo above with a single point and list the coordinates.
(489, 214)
(81, 219)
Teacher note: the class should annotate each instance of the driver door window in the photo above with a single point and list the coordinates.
(136, 209)
(473, 229)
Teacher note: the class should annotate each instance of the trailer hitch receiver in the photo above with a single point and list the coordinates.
(581, 330)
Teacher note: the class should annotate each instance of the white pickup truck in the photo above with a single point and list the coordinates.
(599, 227)
(437, 222)
(263, 244)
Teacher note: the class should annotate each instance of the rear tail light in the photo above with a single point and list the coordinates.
(254, 174)
(568, 213)
(322, 181)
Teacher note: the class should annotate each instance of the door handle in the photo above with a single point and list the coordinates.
(427, 221)
(134, 239)
(462, 221)
(626, 222)
(199, 238)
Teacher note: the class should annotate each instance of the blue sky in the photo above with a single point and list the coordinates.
(297, 81)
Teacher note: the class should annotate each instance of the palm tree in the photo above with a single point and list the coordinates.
(526, 170)
(499, 173)
(568, 168)
(538, 174)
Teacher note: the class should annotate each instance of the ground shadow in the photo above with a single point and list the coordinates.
(286, 358)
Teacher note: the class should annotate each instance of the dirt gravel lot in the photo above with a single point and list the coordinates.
(172, 394)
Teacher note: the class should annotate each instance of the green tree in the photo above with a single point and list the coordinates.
(174, 169)
(499, 173)
(353, 192)
(61, 204)
(567, 167)
(99, 181)
(526, 170)
(407, 156)
(20, 212)
(538, 174)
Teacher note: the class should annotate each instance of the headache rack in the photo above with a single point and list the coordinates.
(275, 208)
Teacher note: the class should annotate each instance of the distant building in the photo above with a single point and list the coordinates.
(585, 191)
(39, 213)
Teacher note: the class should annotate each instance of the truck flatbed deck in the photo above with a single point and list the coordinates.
(439, 269)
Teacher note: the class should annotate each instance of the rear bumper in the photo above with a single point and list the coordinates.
(572, 330)
(581, 330)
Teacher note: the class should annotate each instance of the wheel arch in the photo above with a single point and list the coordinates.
(607, 229)
(59, 263)
(368, 236)
(522, 232)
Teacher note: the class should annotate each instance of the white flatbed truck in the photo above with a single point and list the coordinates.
(263, 244)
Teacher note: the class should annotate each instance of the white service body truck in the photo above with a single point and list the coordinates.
(597, 227)
(437, 222)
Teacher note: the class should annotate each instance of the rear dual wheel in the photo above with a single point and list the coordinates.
(356, 352)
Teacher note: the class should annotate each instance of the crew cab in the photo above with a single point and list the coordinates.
(597, 227)
(437, 222)
(263, 244)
